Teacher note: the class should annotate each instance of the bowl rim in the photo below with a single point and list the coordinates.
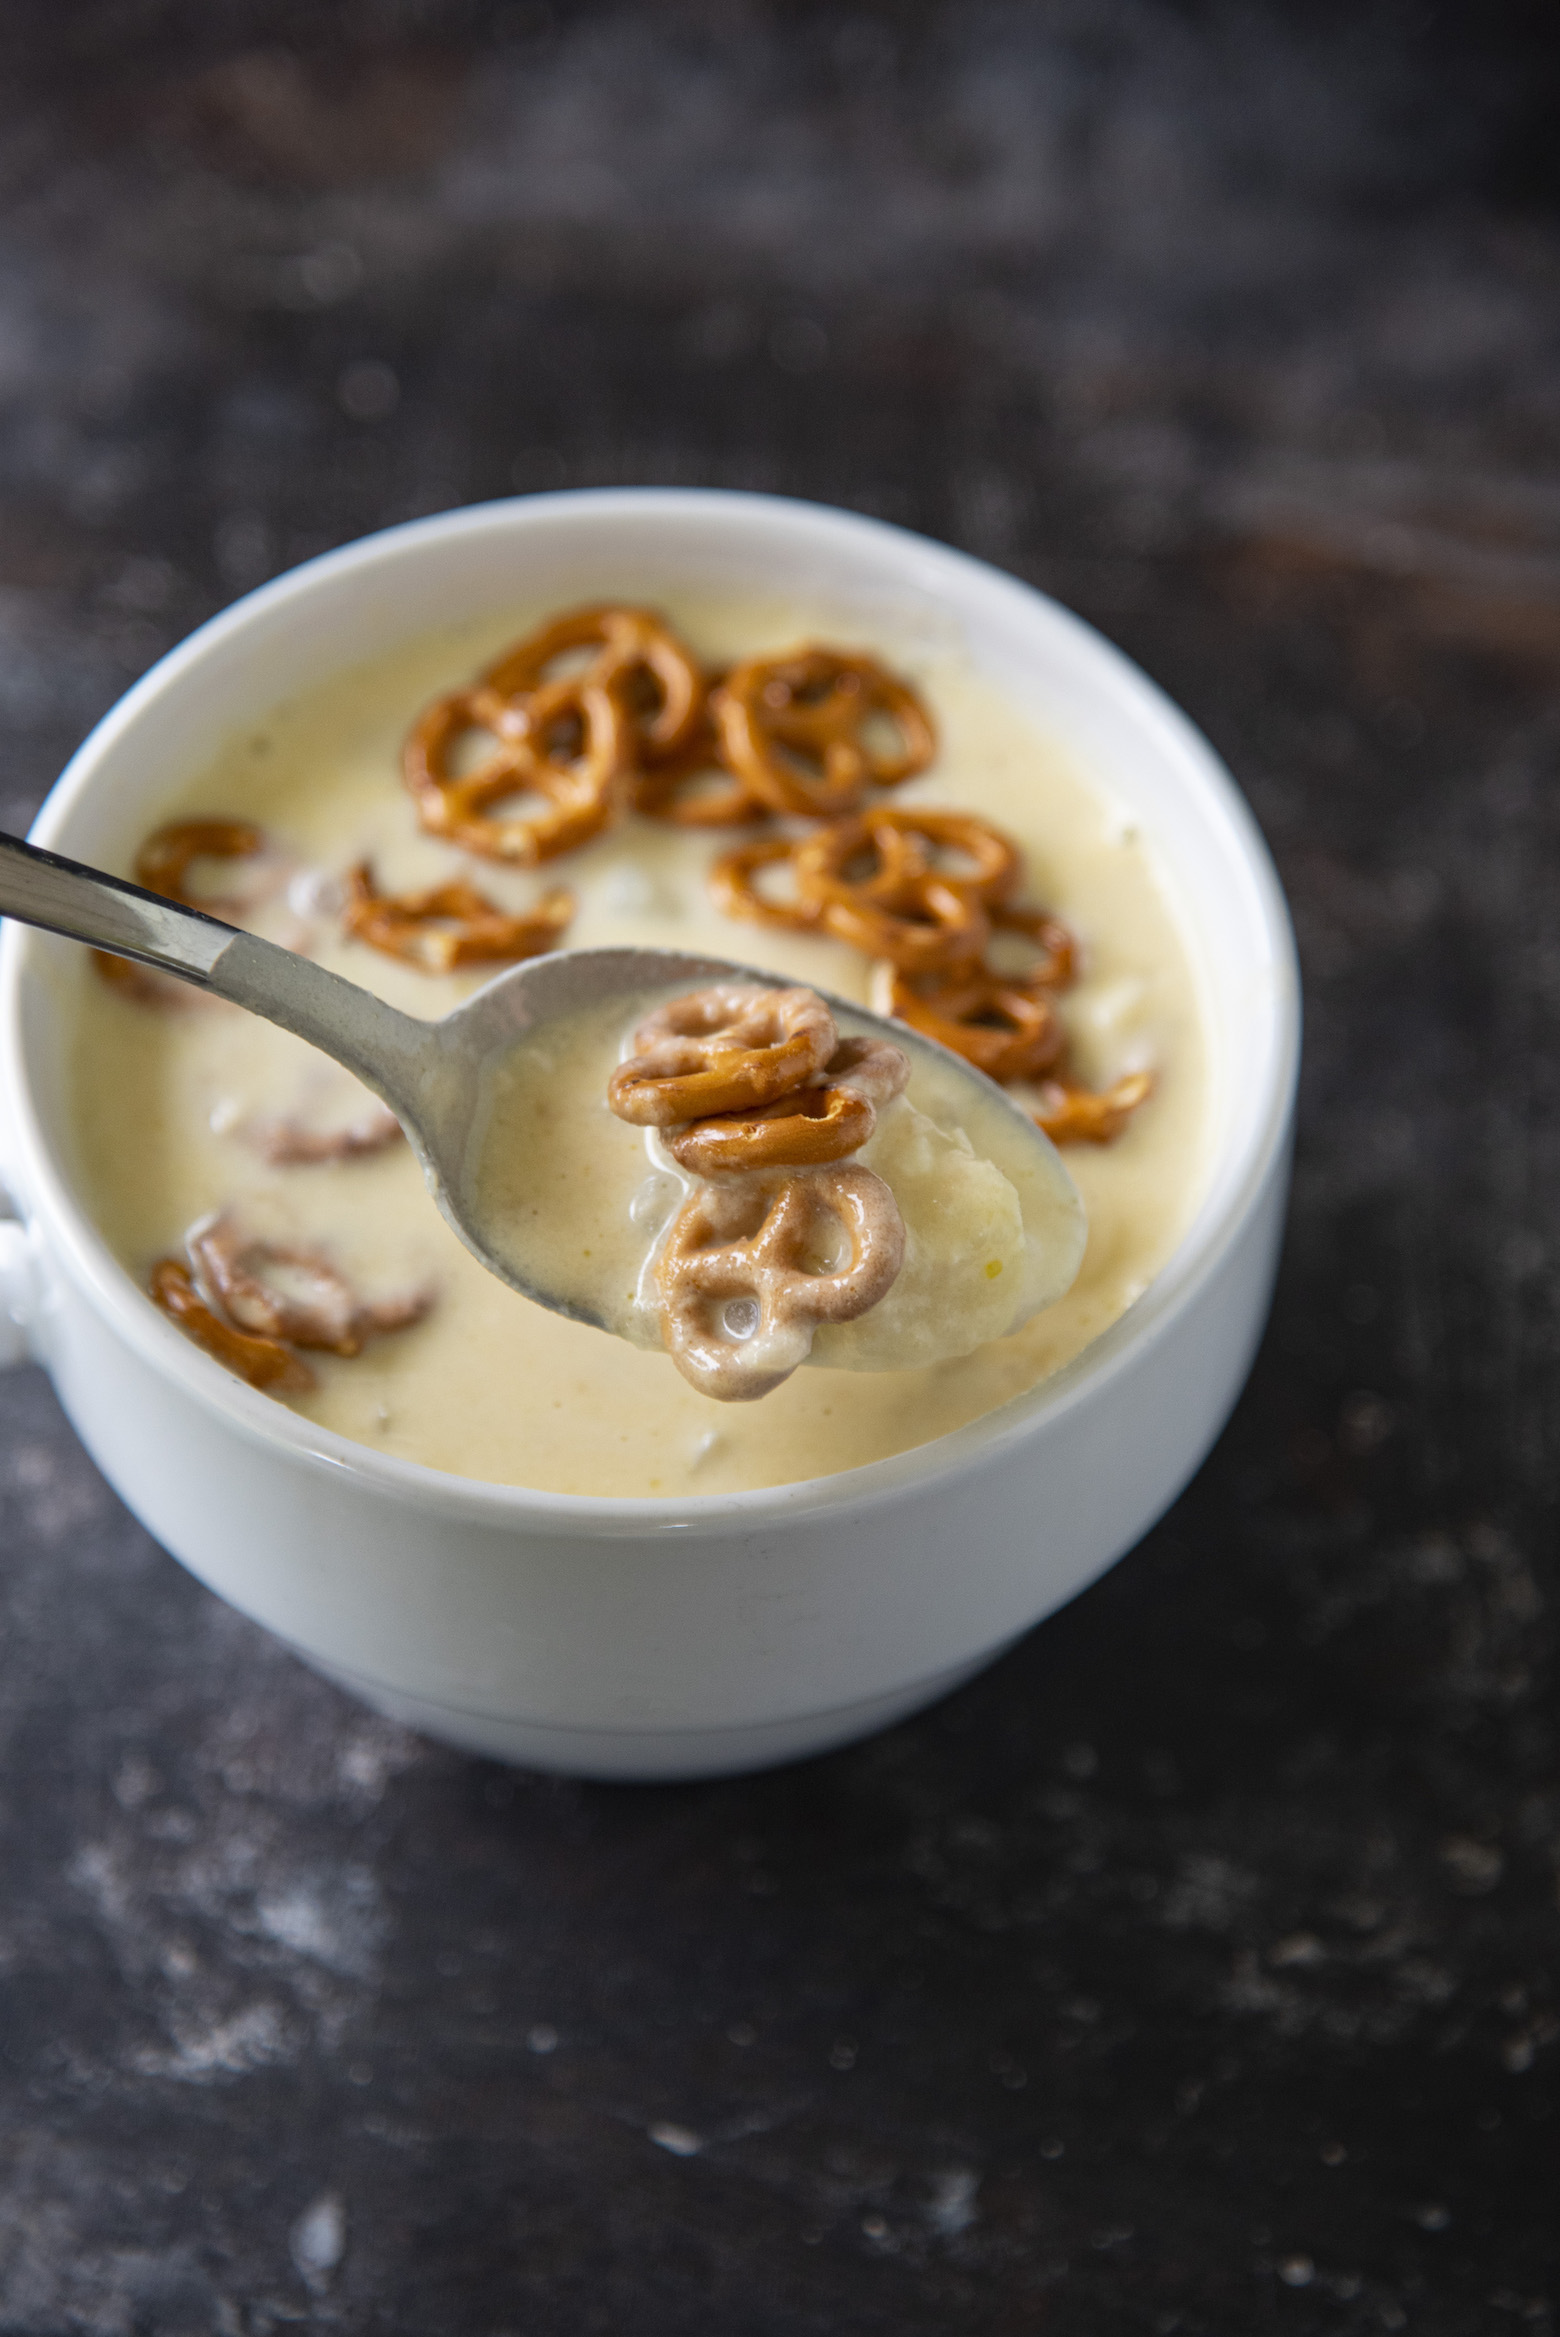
(1258, 1151)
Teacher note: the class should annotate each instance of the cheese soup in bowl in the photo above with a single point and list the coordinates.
(516, 1530)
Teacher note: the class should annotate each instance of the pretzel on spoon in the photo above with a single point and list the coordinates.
(742, 1285)
(730, 1048)
(807, 1128)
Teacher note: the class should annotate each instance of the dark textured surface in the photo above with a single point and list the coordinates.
(1195, 1970)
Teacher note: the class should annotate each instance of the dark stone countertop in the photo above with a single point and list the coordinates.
(1195, 1969)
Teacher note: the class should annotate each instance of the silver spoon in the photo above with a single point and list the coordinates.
(431, 1074)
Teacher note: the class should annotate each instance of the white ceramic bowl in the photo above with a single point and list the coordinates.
(658, 1638)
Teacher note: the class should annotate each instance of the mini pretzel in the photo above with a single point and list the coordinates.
(568, 742)
(810, 1126)
(799, 729)
(1009, 1030)
(872, 884)
(1075, 1115)
(733, 883)
(1056, 964)
(729, 1048)
(450, 925)
(163, 865)
(678, 787)
(744, 1280)
(875, 1068)
(263, 1362)
(328, 1314)
(637, 657)
(290, 1144)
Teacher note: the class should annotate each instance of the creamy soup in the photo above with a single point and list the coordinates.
(173, 1103)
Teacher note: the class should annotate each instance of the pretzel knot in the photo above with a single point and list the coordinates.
(805, 1129)
(314, 1306)
(1075, 1115)
(874, 883)
(263, 1362)
(568, 742)
(450, 925)
(730, 1048)
(735, 887)
(806, 731)
(751, 1267)
(162, 865)
(695, 787)
(630, 653)
(1009, 1030)
(291, 1143)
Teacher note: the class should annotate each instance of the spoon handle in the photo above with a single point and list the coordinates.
(42, 888)
(389, 1051)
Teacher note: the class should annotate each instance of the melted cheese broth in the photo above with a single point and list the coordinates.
(491, 1386)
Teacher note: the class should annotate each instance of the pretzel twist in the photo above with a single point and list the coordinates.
(802, 729)
(567, 743)
(263, 1362)
(325, 1312)
(1076, 1115)
(634, 655)
(729, 1048)
(451, 924)
(1009, 1030)
(288, 1143)
(805, 1129)
(746, 1276)
(733, 882)
(871, 880)
(696, 787)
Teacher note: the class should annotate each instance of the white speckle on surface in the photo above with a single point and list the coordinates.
(1297, 2272)
(634, 892)
(224, 1115)
(705, 1447)
(952, 2209)
(205, 2052)
(318, 2241)
(654, 1199)
(542, 2037)
(681, 2141)
(315, 892)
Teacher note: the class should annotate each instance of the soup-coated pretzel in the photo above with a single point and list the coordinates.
(804, 730)
(1078, 1115)
(730, 1048)
(292, 1143)
(451, 924)
(805, 1129)
(162, 865)
(632, 653)
(568, 742)
(747, 1272)
(263, 1362)
(318, 1309)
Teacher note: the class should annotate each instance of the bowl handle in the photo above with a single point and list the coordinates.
(18, 1291)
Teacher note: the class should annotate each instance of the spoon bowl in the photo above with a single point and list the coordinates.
(434, 1075)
